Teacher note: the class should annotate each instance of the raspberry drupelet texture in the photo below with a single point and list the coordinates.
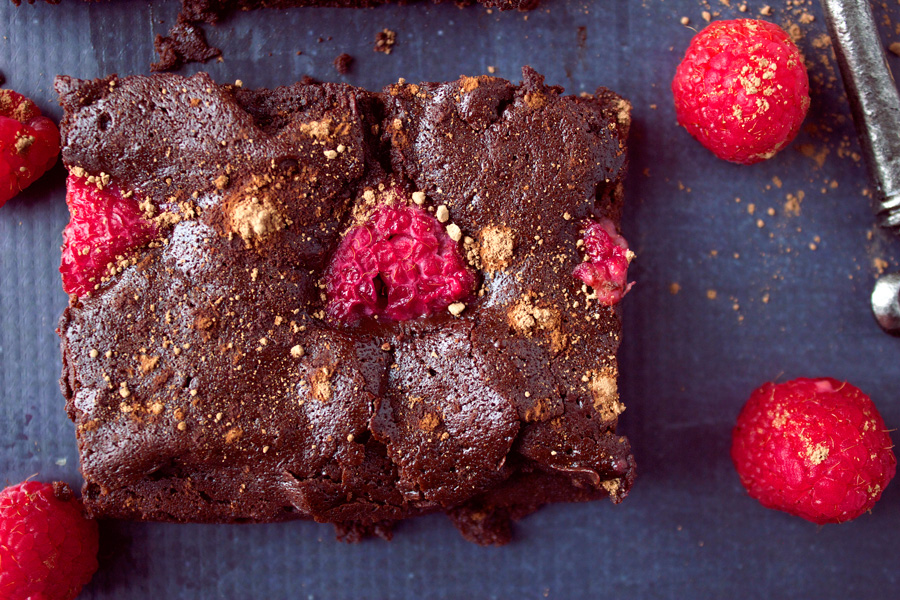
(815, 448)
(104, 225)
(399, 266)
(742, 90)
(606, 269)
(29, 144)
(48, 550)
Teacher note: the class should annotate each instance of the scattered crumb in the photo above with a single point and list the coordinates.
(254, 219)
(343, 63)
(320, 384)
(674, 288)
(454, 232)
(895, 48)
(456, 308)
(496, 247)
(185, 43)
(385, 40)
(711, 294)
(792, 206)
(605, 394)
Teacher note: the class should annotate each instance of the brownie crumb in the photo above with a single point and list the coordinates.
(894, 48)
(62, 491)
(457, 308)
(255, 219)
(496, 246)
(233, 435)
(604, 391)
(185, 43)
(320, 384)
(343, 63)
(612, 486)
(385, 40)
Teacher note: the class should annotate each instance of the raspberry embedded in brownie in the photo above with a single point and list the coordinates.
(356, 307)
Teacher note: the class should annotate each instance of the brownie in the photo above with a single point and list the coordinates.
(213, 10)
(208, 381)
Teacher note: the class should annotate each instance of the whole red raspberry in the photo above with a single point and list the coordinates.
(48, 550)
(104, 225)
(816, 448)
(742, 90)
(606, 269)
(400, 265)
(29, 144)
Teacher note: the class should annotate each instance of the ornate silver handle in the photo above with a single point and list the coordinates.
(873, 97)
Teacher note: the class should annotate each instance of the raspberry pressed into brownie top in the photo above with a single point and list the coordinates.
(326, 303)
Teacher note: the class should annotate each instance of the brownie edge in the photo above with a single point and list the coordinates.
(205, 378)
(214, 10)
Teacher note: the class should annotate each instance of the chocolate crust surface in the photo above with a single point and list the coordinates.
(206, 382)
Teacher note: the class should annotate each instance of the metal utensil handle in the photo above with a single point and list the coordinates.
(873, 97)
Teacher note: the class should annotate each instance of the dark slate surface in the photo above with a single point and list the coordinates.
(781, 309)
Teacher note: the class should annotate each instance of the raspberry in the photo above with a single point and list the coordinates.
(29, 144)
(816, 448)
(400, 265)
(104, 225)
(607, 268)
(47, 548)
(742, 90)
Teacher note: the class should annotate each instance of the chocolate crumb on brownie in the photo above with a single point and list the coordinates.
(345, 306)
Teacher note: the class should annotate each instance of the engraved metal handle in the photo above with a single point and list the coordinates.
(873, 97)
(875, 105)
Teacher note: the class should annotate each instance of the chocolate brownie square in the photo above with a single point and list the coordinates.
(319, 302)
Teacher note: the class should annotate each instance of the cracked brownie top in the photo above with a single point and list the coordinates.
(342, 305)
